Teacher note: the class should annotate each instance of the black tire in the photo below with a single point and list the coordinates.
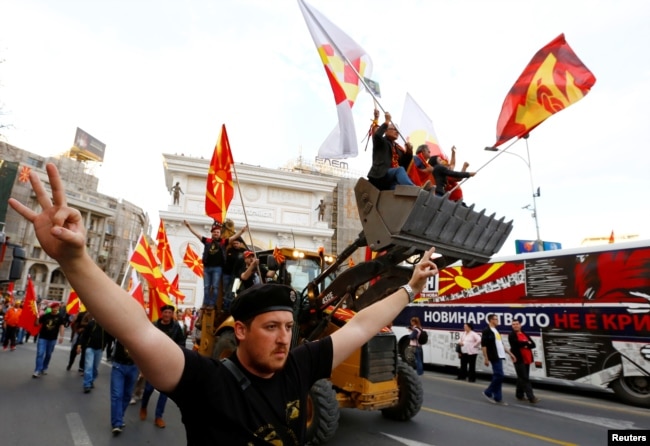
(322, 412)
(410, 395)
(225, 345)
(407, 355)
(634, 390)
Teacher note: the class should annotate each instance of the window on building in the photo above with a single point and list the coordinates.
(36, 252)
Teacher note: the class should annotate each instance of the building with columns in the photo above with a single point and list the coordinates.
(280, 207)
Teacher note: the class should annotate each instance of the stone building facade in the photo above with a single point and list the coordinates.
(112, 224)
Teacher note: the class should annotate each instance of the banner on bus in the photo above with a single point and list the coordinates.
(522, 246)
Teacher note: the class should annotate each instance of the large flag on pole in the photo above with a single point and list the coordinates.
(163, 250)
(341, 57)
(29, 316)
(193, 261)
(219, 188)
(554, 79)
(144, 262)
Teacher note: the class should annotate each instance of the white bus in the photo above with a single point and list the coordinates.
(588, 310)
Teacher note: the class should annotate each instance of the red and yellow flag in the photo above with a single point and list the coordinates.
(74, 304)
(175, 292)
(219, 188)
(278, 256)
(144, 261)
(341, 56)
(163, 250)
(135, 288)
(554, 79)
(23, 176)
(29, 316)
(157, 299)
(193, 261)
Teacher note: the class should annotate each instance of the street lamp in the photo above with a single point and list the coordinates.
(535, 193)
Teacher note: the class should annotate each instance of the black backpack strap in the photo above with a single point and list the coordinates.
(254, 396)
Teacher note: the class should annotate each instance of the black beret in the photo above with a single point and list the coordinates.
(167, 307)
(262, 298)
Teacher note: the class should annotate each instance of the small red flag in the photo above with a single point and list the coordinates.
(219, 187)
(74, 304)
(23, 176)
(175, 291)
(278, 256)
(29, 316)
(611, 237)
(193, 261)
(163, 250)
(554, 79)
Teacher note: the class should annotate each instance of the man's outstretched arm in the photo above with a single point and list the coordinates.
(61, 233)
(369, 321)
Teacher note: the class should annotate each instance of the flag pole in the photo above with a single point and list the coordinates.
(499, 153)
(243, 206)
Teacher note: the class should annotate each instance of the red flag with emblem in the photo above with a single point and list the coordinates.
(554, 79)
(334, 47)
(144, 262)
(193, 261)
(23, 176)
(219, 188)
(278, 256)
(29, 316)
(163, 250)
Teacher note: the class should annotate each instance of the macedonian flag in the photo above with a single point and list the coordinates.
(193, 261)
(554, 79)
(219, 188)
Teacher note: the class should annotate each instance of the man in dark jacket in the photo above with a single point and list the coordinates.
(92, 340)
(171, 328)
(521, 346)
(441, 172)
(494, 353)
(389, 160)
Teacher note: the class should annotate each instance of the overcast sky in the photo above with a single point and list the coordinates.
(153, 77)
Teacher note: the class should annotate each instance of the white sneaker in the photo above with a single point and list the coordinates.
(133, 401)
(36, 374)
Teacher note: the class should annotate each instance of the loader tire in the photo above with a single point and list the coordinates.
(225, 345)
(322, 412)
(410, 395)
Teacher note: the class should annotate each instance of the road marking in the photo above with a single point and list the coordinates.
(609, 423)
(406, 441)
(78, 430)
(500, 427)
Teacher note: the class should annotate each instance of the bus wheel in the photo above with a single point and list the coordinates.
(410, 395)
(225, 345)
(322, 412)
(634, 390)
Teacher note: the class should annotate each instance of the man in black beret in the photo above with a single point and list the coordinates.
(216, 401)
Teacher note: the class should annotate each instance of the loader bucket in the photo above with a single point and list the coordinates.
(410, 216)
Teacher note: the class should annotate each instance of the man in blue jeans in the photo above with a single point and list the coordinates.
(494, 353)
(52, 323)
(124, 374)
(92, 341)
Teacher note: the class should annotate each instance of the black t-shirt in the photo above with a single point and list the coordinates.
(213, 251)
(50, 324)
(215, 409)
